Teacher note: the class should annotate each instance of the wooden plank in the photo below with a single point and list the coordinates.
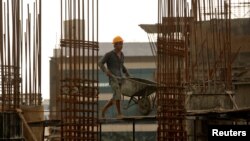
(32, 135)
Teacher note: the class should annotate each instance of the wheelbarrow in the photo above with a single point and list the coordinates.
(138, 90)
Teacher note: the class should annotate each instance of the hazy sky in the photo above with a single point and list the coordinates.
(116, 17)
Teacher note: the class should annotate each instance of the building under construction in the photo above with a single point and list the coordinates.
(199, 62)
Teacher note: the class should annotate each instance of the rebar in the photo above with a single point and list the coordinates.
(210, 47)
(78, 70)
(172, 47)
(20, 54)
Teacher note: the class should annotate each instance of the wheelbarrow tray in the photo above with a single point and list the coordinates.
(137, 87)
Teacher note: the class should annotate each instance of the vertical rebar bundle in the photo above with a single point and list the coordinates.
(20, 54)
(78, 70)
(172, 47)
(210, 57)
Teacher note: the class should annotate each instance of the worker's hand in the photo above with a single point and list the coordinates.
(127, 74)
(108, 73)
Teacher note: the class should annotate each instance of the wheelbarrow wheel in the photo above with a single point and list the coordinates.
(144, 105)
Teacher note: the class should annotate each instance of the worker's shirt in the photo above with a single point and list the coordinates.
(114, 64)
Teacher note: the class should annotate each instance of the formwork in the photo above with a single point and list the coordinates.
(78, 94)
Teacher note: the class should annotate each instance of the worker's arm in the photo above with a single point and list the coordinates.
(101, 63)
(125, 71)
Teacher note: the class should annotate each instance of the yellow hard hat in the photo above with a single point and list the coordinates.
(117, 39)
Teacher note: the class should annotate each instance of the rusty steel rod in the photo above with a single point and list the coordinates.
(19, 58)
(79, 72)
(171, 52)
(210, 15)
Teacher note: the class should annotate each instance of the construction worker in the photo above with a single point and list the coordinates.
(114, 61)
